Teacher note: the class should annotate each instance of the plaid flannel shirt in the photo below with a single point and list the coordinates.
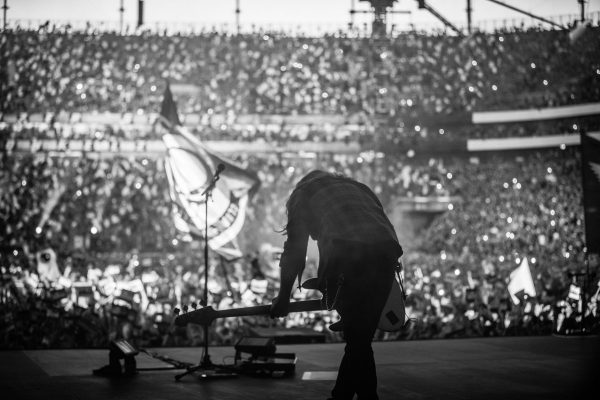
(334, 209)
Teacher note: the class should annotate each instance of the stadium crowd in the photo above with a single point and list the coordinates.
(92, 218)
(457, 272)
(411, 78)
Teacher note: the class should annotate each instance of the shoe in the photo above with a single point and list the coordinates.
(108, 371)
(130, 368)
(130, 373)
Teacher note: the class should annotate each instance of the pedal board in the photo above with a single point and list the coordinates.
(275, 366)
(258, 356)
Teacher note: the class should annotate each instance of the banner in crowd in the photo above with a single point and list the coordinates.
(521, 281)
(190, 168)
(590, 168)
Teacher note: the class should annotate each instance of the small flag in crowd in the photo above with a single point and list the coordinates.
(190, 167)
(58, 188)
(521, 281)
(574, 292)
(47, 267)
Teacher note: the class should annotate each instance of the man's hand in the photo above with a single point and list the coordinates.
(279, 308)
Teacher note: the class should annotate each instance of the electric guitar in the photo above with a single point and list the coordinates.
(393, 316)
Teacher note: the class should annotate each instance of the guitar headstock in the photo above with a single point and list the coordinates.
(201, 316)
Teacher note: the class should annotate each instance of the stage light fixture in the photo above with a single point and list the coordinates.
(140, 20)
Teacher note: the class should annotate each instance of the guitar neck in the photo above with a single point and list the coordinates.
(295, 306)
(206, 315)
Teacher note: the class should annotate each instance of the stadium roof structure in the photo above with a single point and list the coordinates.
(304, 18)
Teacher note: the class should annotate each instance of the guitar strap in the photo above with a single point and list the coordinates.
(398, 269)
(330, 305)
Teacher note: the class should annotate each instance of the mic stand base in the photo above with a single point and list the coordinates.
(206, 369)
(209, 372)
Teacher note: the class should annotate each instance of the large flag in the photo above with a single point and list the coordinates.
(590, 169)
(190, 168)
(521, 281)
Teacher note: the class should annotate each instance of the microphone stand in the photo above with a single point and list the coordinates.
(206, 367)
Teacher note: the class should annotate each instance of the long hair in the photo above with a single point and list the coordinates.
(298, 195)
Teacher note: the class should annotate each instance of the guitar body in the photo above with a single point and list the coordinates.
(392, 317)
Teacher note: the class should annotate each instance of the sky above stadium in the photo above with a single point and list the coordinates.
(309, 13)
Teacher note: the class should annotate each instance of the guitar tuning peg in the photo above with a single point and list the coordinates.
(194, 305)
(176, 311)
(185, 308)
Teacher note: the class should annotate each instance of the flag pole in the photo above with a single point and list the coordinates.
(205, 356)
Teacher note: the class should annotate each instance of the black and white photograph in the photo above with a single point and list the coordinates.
(300, 199)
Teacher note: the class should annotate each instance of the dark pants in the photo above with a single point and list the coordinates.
(368, 272)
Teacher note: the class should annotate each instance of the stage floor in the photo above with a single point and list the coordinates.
(487, 368)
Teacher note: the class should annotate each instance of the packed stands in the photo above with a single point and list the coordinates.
(106, 214)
